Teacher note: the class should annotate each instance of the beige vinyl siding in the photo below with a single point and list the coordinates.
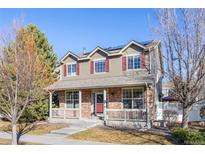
(115, 64)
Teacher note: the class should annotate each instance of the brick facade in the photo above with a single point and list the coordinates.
(114, 101)
(115, 98)
(86, 104)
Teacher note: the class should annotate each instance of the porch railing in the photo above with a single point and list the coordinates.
(126, 115)
(65, 113)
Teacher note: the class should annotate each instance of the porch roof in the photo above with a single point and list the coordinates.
(103, 82)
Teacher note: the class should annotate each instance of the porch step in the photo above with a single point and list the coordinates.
(98, 117)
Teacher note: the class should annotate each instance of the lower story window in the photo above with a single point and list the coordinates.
(72, 99)
(133, 98)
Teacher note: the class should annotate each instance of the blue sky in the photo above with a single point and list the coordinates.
(75, 29)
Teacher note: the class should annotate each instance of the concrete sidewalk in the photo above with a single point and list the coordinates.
(50, 139)
(76, 126)
(58, 137)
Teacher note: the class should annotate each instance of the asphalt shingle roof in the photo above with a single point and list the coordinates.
(99, 82)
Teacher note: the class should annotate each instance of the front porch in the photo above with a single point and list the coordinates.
(118, 104)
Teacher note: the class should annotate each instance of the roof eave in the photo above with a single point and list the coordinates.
(69, 53)
(130, 43)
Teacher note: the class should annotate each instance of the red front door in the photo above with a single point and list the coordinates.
(99, 103)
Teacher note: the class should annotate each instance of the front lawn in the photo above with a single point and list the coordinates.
(105, 134)
(40, 129)
(8, 142)
(4, 141)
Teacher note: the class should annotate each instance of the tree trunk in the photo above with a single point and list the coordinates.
(185, 117)
(14, 135)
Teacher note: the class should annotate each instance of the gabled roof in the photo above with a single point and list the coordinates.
(110, 51)
(69, 53)
(96, 49)
(130, 43)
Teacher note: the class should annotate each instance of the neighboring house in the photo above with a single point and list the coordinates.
(114, 84)
(170, 104)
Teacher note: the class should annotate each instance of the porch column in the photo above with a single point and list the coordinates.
(105, 102)
(80, 102)
(148, 125)
(50, 104)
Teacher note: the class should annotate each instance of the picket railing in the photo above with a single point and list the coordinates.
(125, 114)
(65, 113)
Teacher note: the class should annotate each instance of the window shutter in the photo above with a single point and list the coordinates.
(107, 65)
(77, 69)
(64, 70)
(142, 61)
(124, 63)
(91, 67)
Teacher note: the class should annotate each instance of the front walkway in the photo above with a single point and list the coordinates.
(76, 126)
(50, 139)
(57, 137)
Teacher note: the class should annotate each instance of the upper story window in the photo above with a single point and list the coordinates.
(134, 62)
(71, 69)
(99, 66)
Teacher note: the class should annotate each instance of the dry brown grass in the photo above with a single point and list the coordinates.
(46, 128)
(8, 142)
(4, 142)
(40, 129)
(121, 137)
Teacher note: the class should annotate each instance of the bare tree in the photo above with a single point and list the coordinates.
(21, 73)
(182, 32)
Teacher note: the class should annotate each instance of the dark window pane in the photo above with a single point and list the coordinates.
(127, 104)
(137, 93)
(69, 70)
(127, 93)
(130, 62)
(76, 95)
(76, 103)
(69, 104)
(73, 68)
(138, 103)
(136, 62)
(99, 98)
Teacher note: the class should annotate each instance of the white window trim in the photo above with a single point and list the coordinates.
(69, 75)
(142, 88)
(78, 99)
(132, 55)
(94, 61)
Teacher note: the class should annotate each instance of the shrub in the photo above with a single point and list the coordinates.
(195, 138)
(35, 112)
(180, 134)
(202, 130)
(185, 136)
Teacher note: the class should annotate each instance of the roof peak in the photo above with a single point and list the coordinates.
(110, 50)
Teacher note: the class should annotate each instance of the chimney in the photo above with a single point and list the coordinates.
(84, 50)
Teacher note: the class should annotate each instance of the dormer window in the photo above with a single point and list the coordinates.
(71, 69)
(99, 66)
(134, 62)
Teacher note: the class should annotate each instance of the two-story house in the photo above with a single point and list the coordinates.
(115, 84)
